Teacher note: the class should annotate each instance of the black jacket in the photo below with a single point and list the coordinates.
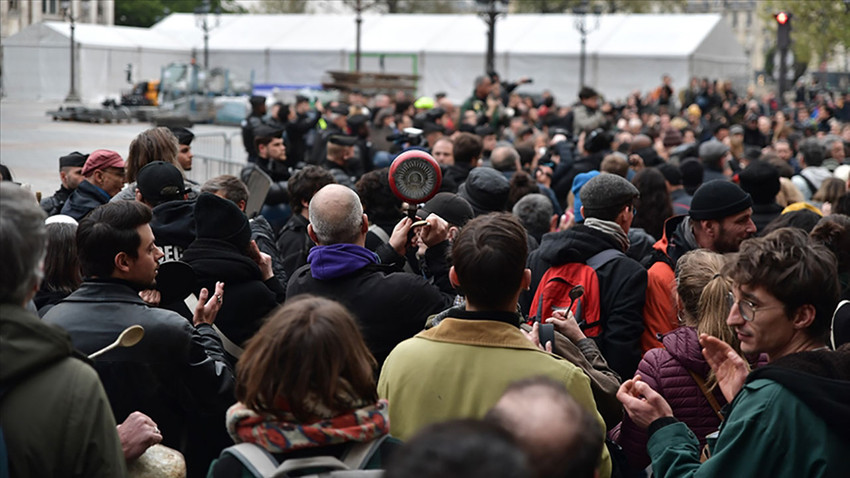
(294, 244)
(173, 226)
(52, 205)
(247, 298)
(86, 197)
(263, 234)
(763, 214)
(389, 306)
(622, 291)
(177, 372)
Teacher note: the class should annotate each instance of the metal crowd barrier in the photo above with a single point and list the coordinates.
(216, 154)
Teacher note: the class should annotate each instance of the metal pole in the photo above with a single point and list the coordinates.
(491, 36)
(206, 44)
(72, 94)
(358, 21)
(783, 73)
(582, 56)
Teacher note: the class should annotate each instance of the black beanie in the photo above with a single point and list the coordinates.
(761, 180)
(219, 218)
(718, 199)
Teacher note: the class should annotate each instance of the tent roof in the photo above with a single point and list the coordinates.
(533, 34)
(59, 33)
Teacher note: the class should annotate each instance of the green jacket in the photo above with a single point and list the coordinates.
(770, 431)
(460, 368)
(55, 416)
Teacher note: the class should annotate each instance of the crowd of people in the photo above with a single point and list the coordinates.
(597, 289)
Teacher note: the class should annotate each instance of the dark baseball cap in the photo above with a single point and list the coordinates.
(160, 181)
(449, 206)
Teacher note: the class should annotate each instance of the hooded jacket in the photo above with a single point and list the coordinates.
(622, 288)
(248, 299)
(659, 313)
(54, 413)
(173, 226)
(389, 306)
(790, 420)
(86, 197)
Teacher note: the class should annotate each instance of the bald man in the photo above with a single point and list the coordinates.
(559, 437)
(390, 305)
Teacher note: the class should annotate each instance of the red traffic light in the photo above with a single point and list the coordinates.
(782, 18)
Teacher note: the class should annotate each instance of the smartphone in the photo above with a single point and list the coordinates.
(546, 333)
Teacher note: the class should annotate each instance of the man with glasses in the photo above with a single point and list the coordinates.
(789, 418)
(104, 178)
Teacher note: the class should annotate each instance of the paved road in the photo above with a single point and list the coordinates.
(31, 142)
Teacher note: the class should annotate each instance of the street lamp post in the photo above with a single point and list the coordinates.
(358, 20)
(68, 10)
(490, 11)
(584, 29)
(201, 20)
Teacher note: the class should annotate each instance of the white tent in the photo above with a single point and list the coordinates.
(37, 66)
(625, 52)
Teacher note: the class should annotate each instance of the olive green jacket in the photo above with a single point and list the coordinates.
(460, 368)
(55, 416)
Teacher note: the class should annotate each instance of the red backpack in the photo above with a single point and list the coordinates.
(553, 291)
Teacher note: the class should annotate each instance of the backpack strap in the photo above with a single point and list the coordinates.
(603, 257)
(380, 232)
(359, 454)
(323, 462)
(708, 396)
(255, 458)
(809, 183)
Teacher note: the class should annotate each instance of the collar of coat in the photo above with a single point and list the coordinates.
(484, 333)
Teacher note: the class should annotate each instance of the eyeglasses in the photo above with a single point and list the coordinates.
(746, 308)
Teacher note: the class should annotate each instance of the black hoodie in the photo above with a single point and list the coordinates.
(173, 226)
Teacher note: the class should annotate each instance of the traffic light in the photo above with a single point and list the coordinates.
(783, 30)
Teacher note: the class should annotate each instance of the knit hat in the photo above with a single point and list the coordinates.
(761, 181)
(451, 207)
(606, 191)
(73, 160)
(219, 218)
(160, 181)
(486, 190)
(102, 159)
(580, 180)
(718, 199)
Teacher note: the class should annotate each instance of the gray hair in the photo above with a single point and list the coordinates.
(534, 211)
(336, 215)
(23, 237)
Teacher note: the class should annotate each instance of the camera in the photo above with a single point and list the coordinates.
(407, 136)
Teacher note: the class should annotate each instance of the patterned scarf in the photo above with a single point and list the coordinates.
(285, 435)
